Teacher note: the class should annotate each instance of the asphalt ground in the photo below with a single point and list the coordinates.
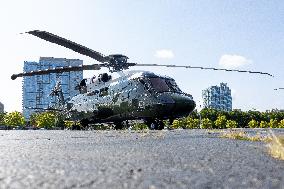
(135, 159)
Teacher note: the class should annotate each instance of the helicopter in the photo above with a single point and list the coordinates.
(135, 95)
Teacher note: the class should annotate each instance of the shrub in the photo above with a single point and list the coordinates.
(14, 119)
(2, 116)
(139, 126)
(231, 124)
(206, 124)
(273, 123)
(220, 122)
(177, 123)
(191, 123)
(253, 124)
(69, 124)
(45, 120)
(263, 124)
(281, 124)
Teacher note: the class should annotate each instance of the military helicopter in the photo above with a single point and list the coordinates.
(136, 95)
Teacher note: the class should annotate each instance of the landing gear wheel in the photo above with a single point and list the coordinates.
(155, 124)
(160, 124)
(150, 124)
(84, 124)
(118, 125)
(76, 126)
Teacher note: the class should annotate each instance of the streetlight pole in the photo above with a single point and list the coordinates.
(200, 120)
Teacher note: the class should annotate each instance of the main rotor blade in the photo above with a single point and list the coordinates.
(68, 44)
(59, 70)
(206, 68)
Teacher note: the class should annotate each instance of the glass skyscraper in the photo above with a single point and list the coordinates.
(218, 97)
(37, 89)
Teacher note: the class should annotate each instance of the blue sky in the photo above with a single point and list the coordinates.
(236, 34)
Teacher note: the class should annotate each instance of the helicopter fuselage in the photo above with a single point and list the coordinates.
(141, 95)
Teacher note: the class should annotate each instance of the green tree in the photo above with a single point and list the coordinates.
(14, 119)
(211, 114)
(277, 115)
(265, 116)
(206, 124)
(254, 115)
(242, 118)
(253, 124)
(2, 116)
(220, 122)
(231, 124)
(194, 114)
(222, 113)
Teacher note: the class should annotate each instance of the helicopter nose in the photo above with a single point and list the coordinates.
(178, 104)
(184, 104)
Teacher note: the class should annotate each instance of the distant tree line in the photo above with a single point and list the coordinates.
(216, 119)
(205, 119)
(46, 120)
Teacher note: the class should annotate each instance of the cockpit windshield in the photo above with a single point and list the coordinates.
(160, 84)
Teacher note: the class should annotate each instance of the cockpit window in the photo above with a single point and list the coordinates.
(173, 86)
(160, 85)
(122, 59)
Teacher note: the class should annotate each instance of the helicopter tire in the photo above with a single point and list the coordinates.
(118, 125)
(76, 127)
(155, 124)
(150, 124)
(160, 125)
(84, 123)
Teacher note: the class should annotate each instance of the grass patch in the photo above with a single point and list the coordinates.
(242, 135)
(276, 146)
(274, 142)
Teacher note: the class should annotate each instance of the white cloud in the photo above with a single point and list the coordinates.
(233, 61)
(165, 54)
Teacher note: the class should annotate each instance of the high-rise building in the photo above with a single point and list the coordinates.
(218, 97)
(37, 89)
(1, 108)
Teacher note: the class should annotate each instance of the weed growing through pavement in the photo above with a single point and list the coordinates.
(276, 146)
(242, 135)
(274, 142)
